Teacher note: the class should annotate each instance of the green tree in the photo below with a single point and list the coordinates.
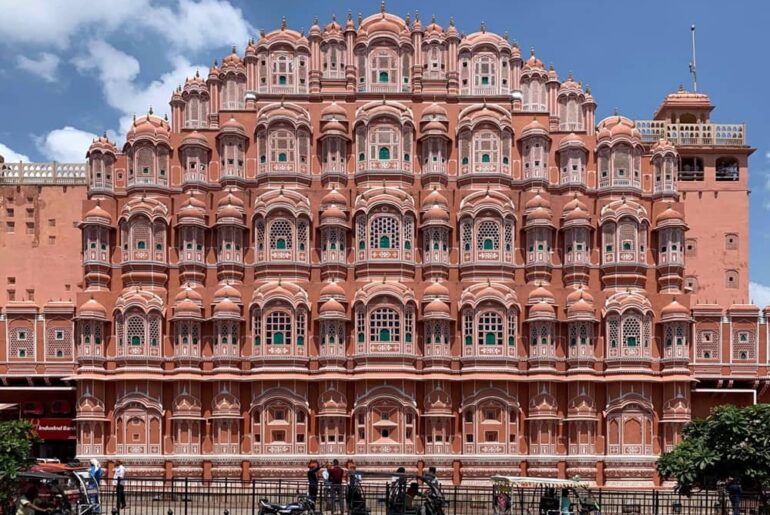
(732, 442)
(16, 440)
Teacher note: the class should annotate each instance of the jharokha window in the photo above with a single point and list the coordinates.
(385, 236)
(385, 326)
(279, 330)
(489, 332)
(628, 335)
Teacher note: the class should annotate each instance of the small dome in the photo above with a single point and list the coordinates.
(334, 198)
(575, 203)
(333, 213)
(675, 311)
(334, 127)
(187, 309)
(618, 126)
(233, 126)
(534, 128)
(569, 85)
(232, 59)
(434, 127)
(334, 110)
(436, 309)
(434, 110)
(227, 292)
(230, 200)
(434, 198)
(571, 140)
(333, 290)
(577, 215)
(542, 310)
(229, 212)
(538, 201)
(149, 126)
(226, 308)
(533, 63)
(579, 293)
(188, 293)
(195, 138)
(436, 214)
(436, 289)
(539, 214)
(102, 144)
(663, 146)
(669, 216)
(332, 307)
(92, 309)
(581, 309)
(98, 214)
(540, 294)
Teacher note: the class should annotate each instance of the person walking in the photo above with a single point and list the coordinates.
(734, 491)
(120, 488)
(312, 480)
(336, 477)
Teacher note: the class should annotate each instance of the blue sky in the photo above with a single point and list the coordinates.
(70, 69)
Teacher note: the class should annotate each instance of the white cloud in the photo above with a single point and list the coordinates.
(759, 294)
(65, 145)
(196, 23)
(10, 156)
(44, 66)
(118, 71)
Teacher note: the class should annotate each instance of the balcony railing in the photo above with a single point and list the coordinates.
(43, 173)
(721, 134)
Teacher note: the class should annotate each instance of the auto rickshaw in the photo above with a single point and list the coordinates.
(542, 496)
(65, 489)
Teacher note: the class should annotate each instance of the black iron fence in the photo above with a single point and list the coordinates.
(233, 497)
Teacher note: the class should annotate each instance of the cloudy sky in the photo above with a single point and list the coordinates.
(70, 69)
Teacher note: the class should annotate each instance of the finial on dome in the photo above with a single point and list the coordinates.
(360, 19)
(550, 67)
(408, 19)
(262, 33)
(532, 51)
(483, 27)
(569, 75)
(382, 6)
(505, 35)
(681, 87)
(165, 116)
(150, 110)
(315, 19)
(514, 44)
(104, 134)
(416, 16)
(433, 18)
(350, 14)
(451, 21)
(588, 89)
(216, 63)
(283, 22)
(197, 74)
(615, 112)
(235, 50)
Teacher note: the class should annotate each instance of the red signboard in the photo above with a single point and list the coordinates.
(54, 428)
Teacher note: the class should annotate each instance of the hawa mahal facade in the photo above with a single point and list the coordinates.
(388, 242)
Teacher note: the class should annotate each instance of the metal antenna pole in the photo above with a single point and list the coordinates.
(693, 72)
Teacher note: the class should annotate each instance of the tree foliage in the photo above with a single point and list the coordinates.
(16, 440)
(732, 442)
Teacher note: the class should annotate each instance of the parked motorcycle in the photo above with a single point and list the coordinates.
(303, 506)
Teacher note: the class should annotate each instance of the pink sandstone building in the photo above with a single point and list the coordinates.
(387, 242)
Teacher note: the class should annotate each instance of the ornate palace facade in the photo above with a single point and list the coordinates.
(388, 242)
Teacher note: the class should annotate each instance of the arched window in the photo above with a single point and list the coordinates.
(628, 335)
(490, 329)
(233, 91)
(333, 60)
(485, 74)
(278, 328)
(384, 325)
(281, 232)
(383, 65)
(282, 143)
(384, 232)
(486, 149)
(488, 235)
(383, 142)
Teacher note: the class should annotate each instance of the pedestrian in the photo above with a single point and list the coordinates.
(95, 470)
(312, 480)
(336, 477)
(734, 491)
(26, 503)
(432, 477)
(565, 502)
(120, 488)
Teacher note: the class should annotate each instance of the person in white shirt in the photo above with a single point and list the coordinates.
(120, 488)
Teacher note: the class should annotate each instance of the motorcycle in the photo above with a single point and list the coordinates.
(303, 506)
